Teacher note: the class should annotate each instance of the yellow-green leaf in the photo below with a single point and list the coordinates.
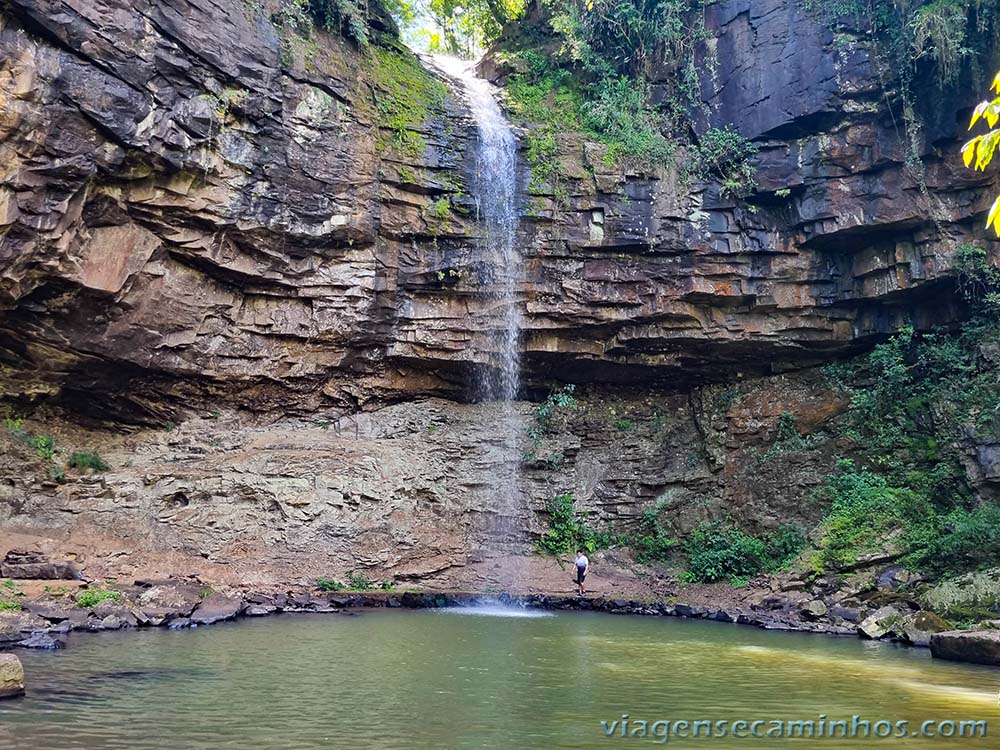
(991, 115)
(994, 213)
(977, 113)
(996, 82)
(969, 150)
(986, 148)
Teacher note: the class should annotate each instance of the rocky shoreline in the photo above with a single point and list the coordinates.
(41, 621)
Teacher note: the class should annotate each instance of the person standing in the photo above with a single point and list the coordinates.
(582, 566)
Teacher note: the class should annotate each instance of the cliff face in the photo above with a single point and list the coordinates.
(209, 210)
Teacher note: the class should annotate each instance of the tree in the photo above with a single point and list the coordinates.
(978, 153)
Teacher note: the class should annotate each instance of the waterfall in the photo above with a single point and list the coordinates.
(494, 189)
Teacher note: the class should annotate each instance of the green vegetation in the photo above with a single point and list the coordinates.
(789, 438)
(86, 460)
(589, 73)
(866, 512)
(9, 596)
(92, 597)
(356, 581)
(568, 533)
(915, 401)
(440, 209)
(44, 446)
(546, 412)
(460, 27)
(718, 551)
(725, 155)
(407, 96)
(944, 33)
(348, 18)
(652, 543)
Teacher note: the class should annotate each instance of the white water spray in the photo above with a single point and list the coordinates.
(494, 189)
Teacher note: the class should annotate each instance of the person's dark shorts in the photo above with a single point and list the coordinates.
(580, 574)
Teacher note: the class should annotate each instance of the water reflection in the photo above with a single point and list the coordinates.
(396, 679)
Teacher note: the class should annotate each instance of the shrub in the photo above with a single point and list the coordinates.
(329, 584)
(725, 155)
(86, 460)
(358, 581)
(718, 551)
(784, 545)
(620, 116)
(8, 605)
(439, 209)
(789, 438)
(865, 510)
(652, 542)
(44, 446)
(966, 540)
(92, 597)
(567, 533)
(546, 411)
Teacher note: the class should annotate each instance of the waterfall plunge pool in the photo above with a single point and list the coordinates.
(432, 680)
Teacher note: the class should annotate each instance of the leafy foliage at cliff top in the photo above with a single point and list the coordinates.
(588, 71)
(946, 33)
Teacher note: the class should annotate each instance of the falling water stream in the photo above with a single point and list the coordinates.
(494, 189)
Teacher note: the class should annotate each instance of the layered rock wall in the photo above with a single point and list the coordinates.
(214, 218)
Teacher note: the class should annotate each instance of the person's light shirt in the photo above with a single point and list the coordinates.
(582, 561)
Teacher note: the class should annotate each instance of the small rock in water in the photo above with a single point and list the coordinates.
(41, 641)
(179, 624)
(11, 676)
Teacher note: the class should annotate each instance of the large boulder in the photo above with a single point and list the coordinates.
(41, 641)
(57, 610)
(814, 609)
(976, 646)
(20, 563)
(16, 625)
(217, 608)
(880, 623)
(918, 629)
(11, 676)
(160, 604)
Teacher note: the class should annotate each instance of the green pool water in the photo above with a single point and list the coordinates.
(434, 679)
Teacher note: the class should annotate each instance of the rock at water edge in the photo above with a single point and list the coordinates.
(976, 646)
(11, 676)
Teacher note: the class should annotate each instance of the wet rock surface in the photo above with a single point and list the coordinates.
(976, 646)
(191, 217)
(11, 676)
(203, 236)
